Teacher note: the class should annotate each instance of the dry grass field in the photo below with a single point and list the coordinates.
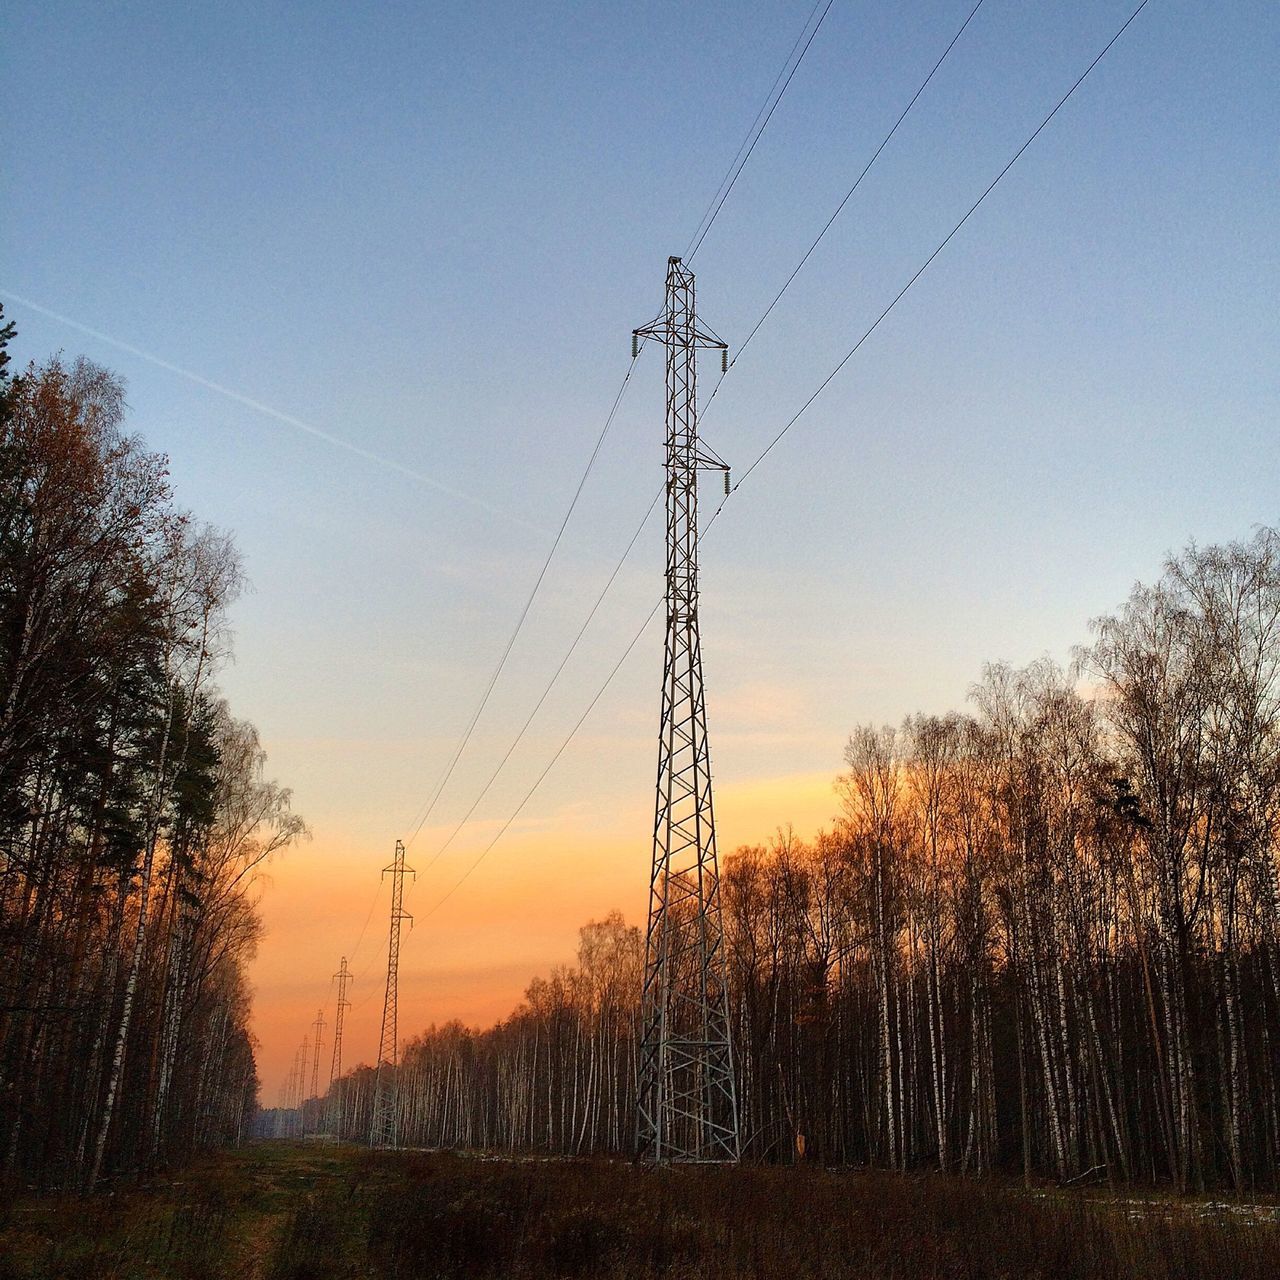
(278, 1211)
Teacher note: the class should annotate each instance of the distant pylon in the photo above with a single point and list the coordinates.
(385, 1089)
(318, 1026)
(687, 1097)
(296, 1075)
(334, 1121)
(299, 1078)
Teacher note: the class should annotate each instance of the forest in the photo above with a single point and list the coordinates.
(134, 808)
(1040, 938)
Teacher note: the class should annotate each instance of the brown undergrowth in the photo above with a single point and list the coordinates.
(288, 1212)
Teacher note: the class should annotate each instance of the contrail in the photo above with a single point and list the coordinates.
(287, 418)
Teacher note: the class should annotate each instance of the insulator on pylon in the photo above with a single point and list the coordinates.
(724, 359)
(635, 345)
(726, 482)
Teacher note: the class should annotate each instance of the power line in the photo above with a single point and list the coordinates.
(524, 612)
(704, 225)
(942, 244)
(754, 329)
(617, 666)
(839, 209)
(789, 424)
(740, 160)
(713, 210)
(515, 813)
(346, 975)
(377, 893)
(515, 742)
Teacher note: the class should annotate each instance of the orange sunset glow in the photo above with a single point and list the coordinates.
(516, 917)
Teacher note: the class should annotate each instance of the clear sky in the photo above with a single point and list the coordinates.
(427, 231)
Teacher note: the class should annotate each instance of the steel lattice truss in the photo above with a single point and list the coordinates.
(385, 1092)
(335, 1117)
(687, 1101)
(318, 1025)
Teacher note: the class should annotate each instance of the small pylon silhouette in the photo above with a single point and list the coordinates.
(384, 1132)
(333, 1121)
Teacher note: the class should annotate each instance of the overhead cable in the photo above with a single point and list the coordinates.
(787, 427)
(755, 133)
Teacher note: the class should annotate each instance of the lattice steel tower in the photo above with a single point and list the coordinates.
(299, 1078)
(386, 1090)
(333, 1121)
(318, 1025)
(687, 1100)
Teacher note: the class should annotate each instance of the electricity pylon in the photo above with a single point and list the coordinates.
(687, 1098)
(385, 1089)
(299, 1078)
(318, 1026)
(334, 1120)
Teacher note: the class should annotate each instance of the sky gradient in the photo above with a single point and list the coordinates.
(370, 273)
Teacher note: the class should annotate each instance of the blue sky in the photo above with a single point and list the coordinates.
(429, 230)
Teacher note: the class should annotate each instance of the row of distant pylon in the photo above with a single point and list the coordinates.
(292, 1094)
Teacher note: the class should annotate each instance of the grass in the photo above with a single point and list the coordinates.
(278, 1211)
(216, 1220)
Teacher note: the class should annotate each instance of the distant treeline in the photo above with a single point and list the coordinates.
(133, 808)
(1043, 938)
